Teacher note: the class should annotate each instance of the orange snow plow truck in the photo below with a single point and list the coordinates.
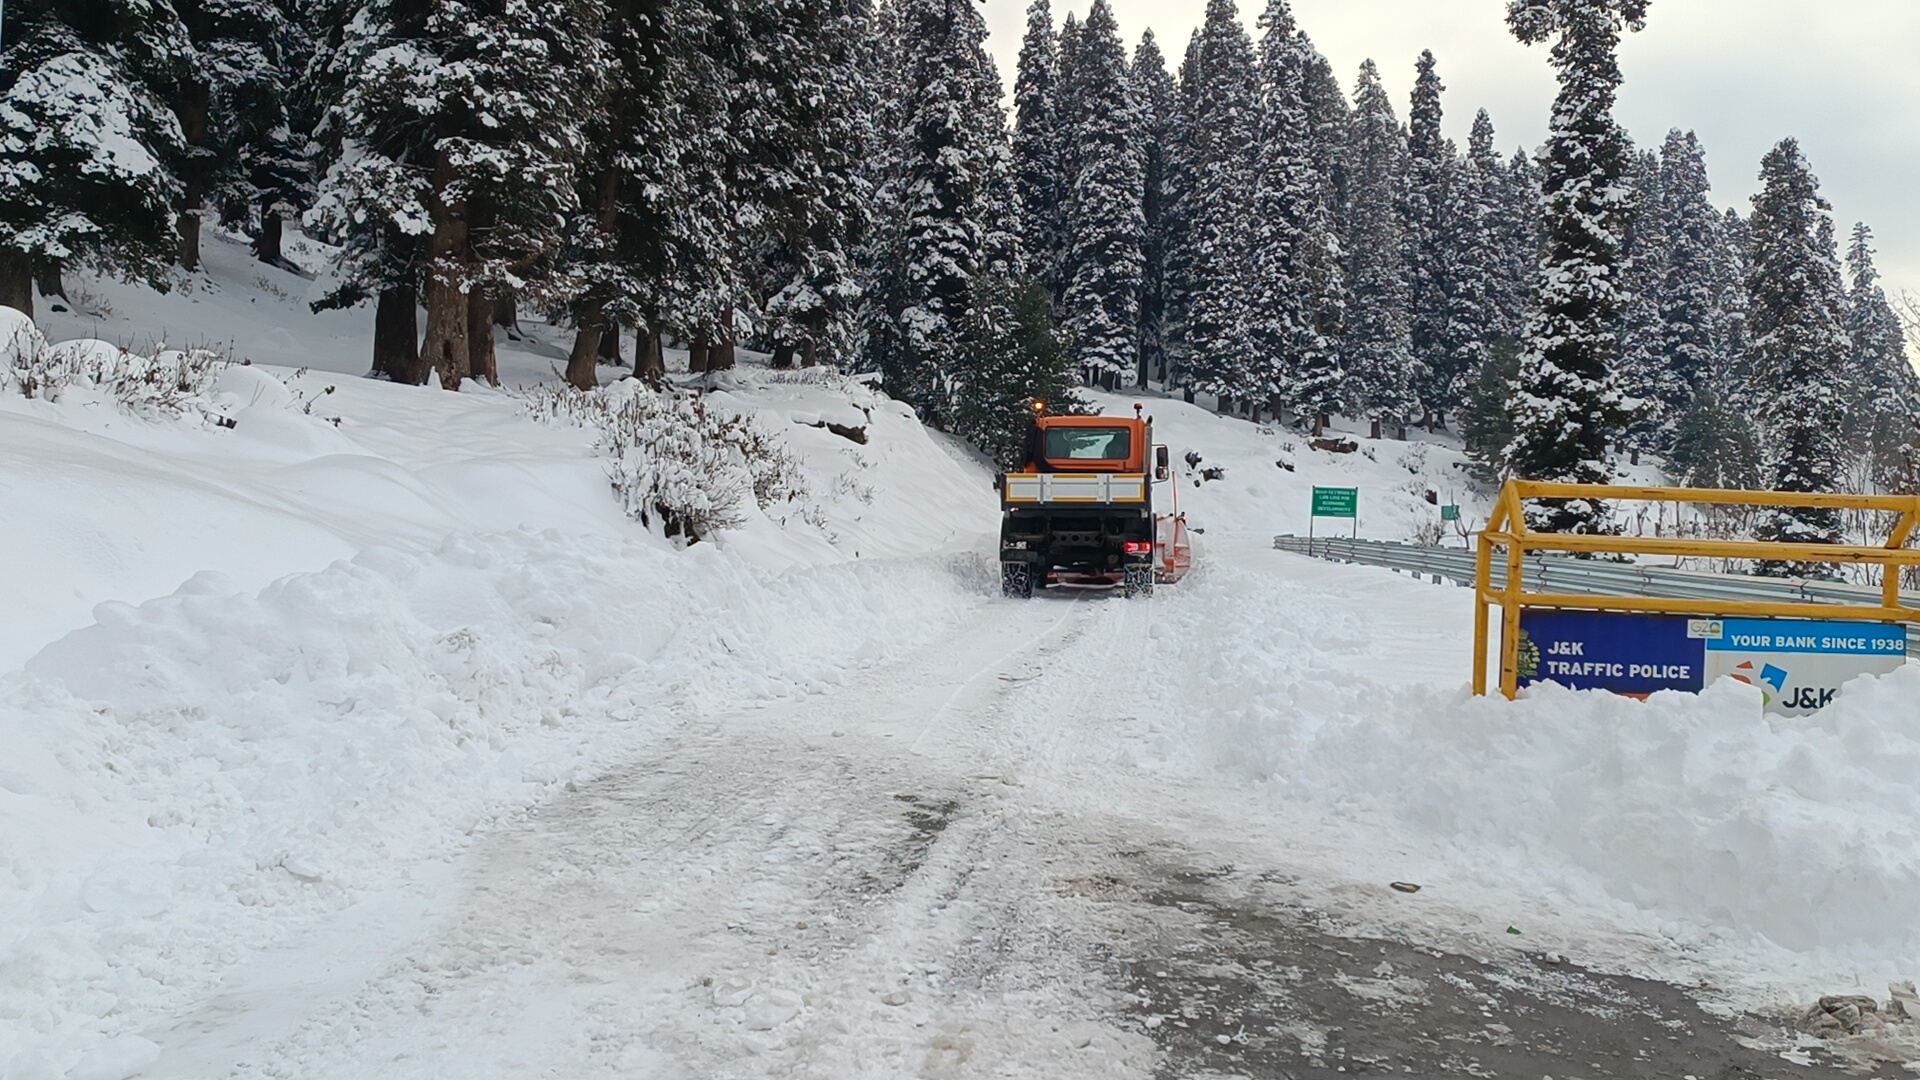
(1080, 508)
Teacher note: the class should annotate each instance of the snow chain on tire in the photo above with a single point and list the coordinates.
(1016, 580)
(1139, 581)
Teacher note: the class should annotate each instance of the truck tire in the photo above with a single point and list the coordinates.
(1016, 580)
(1138, 582)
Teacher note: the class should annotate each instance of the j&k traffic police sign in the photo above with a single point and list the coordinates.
(1798, 665)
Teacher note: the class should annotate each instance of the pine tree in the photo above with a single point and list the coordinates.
(498, 91)
(947, 210)
(1038, 144)
(1798, 348)
(1295, 257)
(1478, 259)
(1714, 444)
(1691, 343)
(1643, 374)
(1378, 344)
(650, 243)
(233, 102)
(1220, 88)
(1430, 156)
(802, 166)
(1486, 414)
(1180, 210)
(1106, 224)
(1886, 391)
(1569, 406)
(1522, 226)
(86, 141)
(1320, 381)
(1010, 358)
(1159, 99)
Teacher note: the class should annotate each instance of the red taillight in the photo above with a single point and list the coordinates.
(1136, 547)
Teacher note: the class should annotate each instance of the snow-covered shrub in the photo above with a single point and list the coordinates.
(167, 385)
(677, 462)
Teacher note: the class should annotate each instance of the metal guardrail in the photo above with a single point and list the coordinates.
(1564, 574)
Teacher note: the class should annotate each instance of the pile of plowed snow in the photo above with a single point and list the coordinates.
(268, 664)
(1339, 695)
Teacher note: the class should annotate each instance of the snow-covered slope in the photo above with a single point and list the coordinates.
(267, 671)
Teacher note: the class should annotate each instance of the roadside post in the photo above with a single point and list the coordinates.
(1797, 654)
(1332, 502)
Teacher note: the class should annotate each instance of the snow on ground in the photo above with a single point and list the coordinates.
(334, 731)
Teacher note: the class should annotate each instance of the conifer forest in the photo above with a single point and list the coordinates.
(835, 182)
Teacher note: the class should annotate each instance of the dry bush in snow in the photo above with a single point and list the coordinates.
(677, 462)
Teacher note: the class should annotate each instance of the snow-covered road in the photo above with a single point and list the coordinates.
(944, 868)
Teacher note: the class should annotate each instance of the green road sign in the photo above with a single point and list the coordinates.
(1450, 512)
(1336, 502)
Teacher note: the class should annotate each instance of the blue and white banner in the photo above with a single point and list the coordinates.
(1799, 665)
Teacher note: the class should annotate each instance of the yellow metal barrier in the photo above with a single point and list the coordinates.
(1507, 529)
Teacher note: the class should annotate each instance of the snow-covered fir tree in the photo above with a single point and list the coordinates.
(266, 176)
(1523, 226)
(1220, 89)
(231, 98)
(1690, 343)
(1377, 344)
(1479, 264)
(87, 141)
(804, 161)
(1038, 142)
(948, 216)
(1430, 157)
(1798, 348)
(1642, 373)
(1010, 358)
(1886, 391)
(1568, 406)
(1159, 100)
(1294, 322)
(647, 231)
(498, 91)
(1106, 223)
(1181, 154)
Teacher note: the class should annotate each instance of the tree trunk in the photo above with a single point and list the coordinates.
(809, 353)
(446, 347)
(1319, 424)
(582, 361)
(482, 361)
(783, 354)
(720, 353)
(266, 246)
(49, 278)
(610, 343)
(16, 280)
(648, 362)
(697, 350)
(506, 313)
(1373, 430)
(192, 107)
(396, 335)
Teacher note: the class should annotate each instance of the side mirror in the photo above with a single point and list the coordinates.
(1161, 469)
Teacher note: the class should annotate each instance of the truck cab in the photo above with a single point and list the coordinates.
(1079, 506)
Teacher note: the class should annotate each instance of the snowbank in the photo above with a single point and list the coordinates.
(1696, 810)
(271, 666)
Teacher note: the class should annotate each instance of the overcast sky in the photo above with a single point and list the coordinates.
(1839, 75)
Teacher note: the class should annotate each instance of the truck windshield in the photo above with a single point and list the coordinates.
(1107, 444)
